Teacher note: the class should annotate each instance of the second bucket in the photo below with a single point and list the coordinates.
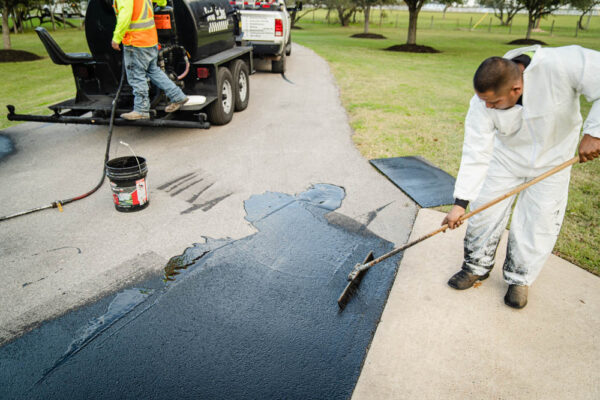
(127, 177)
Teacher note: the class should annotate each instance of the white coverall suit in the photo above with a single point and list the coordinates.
(505, 148)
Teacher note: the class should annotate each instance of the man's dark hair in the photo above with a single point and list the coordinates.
(494, 74)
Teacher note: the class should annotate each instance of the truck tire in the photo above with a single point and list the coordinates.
(278, 66)
(220, 111)
(241, 84)
(288, 47)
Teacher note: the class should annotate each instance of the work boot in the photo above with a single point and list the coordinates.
(463, 280)
(516, 296)
(172, 107)
(134, 115)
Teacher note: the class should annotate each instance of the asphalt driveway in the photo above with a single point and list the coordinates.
(290, 137)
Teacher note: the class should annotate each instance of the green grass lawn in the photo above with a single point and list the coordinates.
(402, 104)
(34, 85)
(398, 103)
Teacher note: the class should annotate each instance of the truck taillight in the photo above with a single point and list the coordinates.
(278, 27)
(202, 72)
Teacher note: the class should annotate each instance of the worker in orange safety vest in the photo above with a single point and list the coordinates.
(136, 30)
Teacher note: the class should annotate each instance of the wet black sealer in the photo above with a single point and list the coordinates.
(250, 318)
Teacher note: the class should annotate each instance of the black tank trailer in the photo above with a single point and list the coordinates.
(197, 51)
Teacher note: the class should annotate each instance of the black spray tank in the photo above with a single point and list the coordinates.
(203, 27)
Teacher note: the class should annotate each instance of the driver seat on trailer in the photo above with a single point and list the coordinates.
(57, 55)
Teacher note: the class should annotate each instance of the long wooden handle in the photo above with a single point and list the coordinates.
(468, 215)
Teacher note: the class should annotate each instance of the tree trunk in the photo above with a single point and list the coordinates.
(5, 29)
(367, 16)
(413, 15)
(445, 9)
(341, 16)
(14, 17)
(580, 22)
(292, 15)
(530, 26)
(52, 18)
(509, 19)
(345, 17)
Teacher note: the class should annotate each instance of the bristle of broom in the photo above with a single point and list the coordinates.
(352, 287)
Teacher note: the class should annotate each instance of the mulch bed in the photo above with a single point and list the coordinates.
(17, 56)
(412, 48)
(368, 36)
(527, 41)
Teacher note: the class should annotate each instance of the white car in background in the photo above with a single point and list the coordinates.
(67, 8)
(266, 26)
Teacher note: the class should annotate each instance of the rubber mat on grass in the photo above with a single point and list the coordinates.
(426, 184)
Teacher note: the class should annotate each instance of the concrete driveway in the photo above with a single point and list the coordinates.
(433, 342)
(290, 137)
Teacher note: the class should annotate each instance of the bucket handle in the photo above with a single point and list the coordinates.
(136, 158)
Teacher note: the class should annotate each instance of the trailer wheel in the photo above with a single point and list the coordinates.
(279, 65)
(220, 111)
(241, 84)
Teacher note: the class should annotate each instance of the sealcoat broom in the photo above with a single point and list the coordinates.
(357, 273)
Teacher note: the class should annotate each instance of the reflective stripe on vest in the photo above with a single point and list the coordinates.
(141, 31)
(145, 15)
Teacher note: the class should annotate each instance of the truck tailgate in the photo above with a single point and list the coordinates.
(258, 26)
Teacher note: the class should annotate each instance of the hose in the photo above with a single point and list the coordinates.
(187, 68)
(168, 50)
(59, 203)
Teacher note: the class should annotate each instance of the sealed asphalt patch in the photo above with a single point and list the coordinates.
(6, 146)
(250, 318)
(426, 184)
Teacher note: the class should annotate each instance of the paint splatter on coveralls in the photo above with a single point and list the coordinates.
(505, 148)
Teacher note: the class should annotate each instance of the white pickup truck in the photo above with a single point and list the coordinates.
(266, 26)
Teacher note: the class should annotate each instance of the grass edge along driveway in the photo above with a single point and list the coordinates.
(402, 104)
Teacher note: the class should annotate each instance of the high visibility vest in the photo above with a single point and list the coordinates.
(141, 31)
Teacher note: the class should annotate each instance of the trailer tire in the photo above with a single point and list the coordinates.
(220, 111)
(278, 66)
(241, 82)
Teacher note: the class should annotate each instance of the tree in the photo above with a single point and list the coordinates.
(366, 6)
(504, 10)
(449, 3)
(5, 28)
(296, 16)
(6, 6)
(344, 8)
(538, 9)
(585, 6)
(414, 6)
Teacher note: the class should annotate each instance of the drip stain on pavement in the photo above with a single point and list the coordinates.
(6, 146)
(255, 317)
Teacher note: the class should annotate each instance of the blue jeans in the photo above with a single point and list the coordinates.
(140, 64)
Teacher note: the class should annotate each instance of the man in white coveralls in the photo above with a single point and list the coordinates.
(523, 120)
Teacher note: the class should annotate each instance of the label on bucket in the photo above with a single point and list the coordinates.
(130, 196)
(142, 193)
